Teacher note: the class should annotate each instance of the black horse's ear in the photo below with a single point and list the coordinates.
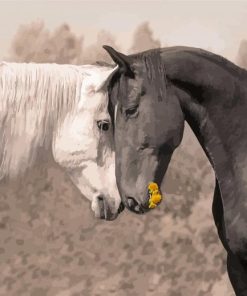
(121, 60)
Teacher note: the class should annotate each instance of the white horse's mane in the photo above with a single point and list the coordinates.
(34, 98)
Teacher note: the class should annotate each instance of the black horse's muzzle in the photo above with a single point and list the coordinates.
(138, 208)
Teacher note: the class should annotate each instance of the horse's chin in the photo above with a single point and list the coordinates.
(111, 218)
(108, 217)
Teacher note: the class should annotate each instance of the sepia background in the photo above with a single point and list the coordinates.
(50, 242)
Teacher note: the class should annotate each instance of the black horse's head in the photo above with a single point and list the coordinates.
(148, 122)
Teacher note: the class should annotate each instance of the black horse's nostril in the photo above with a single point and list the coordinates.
(121, 208)
(132, 203)
(134, 206)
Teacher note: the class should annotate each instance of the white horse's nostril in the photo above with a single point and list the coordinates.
(101, 204)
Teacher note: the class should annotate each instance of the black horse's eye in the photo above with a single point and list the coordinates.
(131, 112)
(103, 125)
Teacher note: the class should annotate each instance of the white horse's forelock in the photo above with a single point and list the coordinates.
(34, 98)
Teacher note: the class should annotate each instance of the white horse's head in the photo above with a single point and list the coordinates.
(83, 144)
(63, 108)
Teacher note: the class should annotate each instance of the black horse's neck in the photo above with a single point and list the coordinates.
(213, 95)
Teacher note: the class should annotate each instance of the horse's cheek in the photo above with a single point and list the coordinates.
(73, 140)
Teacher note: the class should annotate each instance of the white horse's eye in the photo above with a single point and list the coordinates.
(103, 125)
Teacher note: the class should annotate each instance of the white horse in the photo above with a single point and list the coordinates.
(63, 108)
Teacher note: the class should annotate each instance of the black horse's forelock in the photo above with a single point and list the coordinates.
(155, 74)
(155, 70)
(113, 90)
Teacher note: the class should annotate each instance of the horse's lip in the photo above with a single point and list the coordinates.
(105, 212)
(139, 209)
(111, 217)
(145, 207)
(101, 208)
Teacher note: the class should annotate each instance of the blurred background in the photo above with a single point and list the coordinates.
(50, 242)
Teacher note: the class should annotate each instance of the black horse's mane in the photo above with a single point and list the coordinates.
(210, 56)
(219, 60)
(156, 71)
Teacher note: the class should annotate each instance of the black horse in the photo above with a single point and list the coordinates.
(153, 93)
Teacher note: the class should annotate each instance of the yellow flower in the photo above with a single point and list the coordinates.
(153, 186)
(154, 195)
(152, 205)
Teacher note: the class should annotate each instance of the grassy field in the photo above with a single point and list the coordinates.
(51, 244)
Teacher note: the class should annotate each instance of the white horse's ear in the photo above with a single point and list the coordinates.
(105, 77)
(95, 80)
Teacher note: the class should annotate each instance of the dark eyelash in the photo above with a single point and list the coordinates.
(131, 112)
